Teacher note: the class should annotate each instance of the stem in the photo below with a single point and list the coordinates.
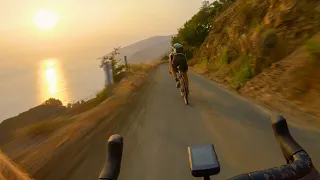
(206, 178)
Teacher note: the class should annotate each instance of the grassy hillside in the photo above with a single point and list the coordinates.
(255, 43)
(40, 138)
(252, 34)
(293, 83)
(9, 170)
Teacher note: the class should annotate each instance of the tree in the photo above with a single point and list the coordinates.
(116, 66)
(53, 102)
(193, 33)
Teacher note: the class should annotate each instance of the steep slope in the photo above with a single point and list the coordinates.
(257, 33)
(250, 37)
(34, 115)
(8, 170)
(40, 145)
(292, 83)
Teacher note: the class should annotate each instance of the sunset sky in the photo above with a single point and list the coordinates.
(93, 26)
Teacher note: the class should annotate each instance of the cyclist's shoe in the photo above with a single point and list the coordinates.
(177, 83)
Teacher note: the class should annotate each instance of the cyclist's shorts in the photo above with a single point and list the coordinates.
(180, 62)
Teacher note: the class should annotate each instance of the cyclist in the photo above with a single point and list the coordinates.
(170, 62)
(177, 59)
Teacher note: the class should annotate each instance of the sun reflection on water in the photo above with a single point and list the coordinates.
(52, 81)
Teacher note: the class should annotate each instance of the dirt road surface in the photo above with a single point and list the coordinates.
(160, 127)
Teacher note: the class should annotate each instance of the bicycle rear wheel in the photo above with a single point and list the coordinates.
(185, 91)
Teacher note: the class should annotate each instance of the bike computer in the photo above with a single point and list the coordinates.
(203, 160)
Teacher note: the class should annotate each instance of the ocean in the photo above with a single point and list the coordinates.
(28, 84)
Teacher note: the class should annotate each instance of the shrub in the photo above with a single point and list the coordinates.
(53, 102)
(223, 58)
(43, 128)
(242, 73)
(116, 66)
(313, 46)
(268, 42)
(203, 63)
(102, 95)
(165, 57)
(221, 61)
(246, 15)
(193, 33)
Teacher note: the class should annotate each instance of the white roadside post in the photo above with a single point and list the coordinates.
(126, 63)
(107, 67)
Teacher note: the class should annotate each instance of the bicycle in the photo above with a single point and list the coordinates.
(183, 88)
(299, 164)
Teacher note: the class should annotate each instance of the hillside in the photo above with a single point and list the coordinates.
(292, 84)
(146, 50)
(252, 38)
(39, 139)
(9, 170)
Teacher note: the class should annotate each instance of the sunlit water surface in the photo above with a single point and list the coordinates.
(26, 85)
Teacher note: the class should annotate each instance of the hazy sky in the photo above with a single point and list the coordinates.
(94, 26)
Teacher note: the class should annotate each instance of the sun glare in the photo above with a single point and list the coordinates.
(45, 19)
(51, 78)
(52, 82)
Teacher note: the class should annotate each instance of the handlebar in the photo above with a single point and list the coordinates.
(111, 168)
(300, 167)
(299, 163)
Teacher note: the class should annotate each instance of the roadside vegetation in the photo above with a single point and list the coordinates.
(51, 115)
(193, 33)
(313, 46)
(52, 128)
(118, 69)
(268, 50)
(245, 39)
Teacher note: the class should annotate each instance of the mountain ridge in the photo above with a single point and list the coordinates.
(146, 50)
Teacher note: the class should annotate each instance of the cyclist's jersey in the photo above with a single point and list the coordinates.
(172, 54)
(179, 61)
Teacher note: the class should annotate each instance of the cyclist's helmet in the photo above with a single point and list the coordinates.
(177, 47)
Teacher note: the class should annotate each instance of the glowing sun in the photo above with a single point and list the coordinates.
(45, 19)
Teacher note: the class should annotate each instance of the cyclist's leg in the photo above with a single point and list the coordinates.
(174, 73)
(185, 76)
(170, 66)
(175, 65)
(184, 68)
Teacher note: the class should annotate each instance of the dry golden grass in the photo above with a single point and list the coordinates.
(202, 66)
(267, 31)
(43, 128)
(246, 14)
(192, 62)
(313, 46)
(295, 79)
(10, 171)
(221, 61)
(60, 134)
(46, 127)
